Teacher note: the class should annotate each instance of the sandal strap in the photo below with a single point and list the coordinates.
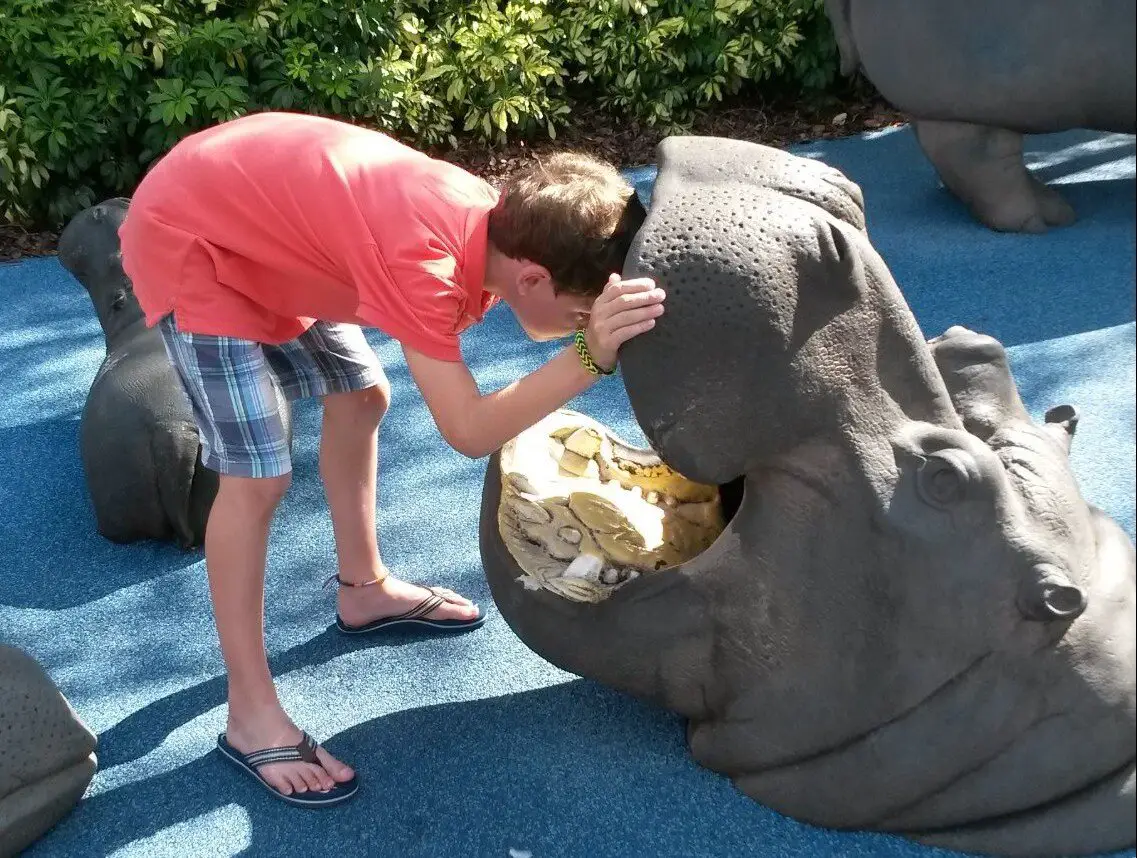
(304, 750)
(423, 608)
(426, 606)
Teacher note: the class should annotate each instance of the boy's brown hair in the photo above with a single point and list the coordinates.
(571, 213)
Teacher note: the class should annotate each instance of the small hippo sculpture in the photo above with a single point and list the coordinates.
(908, 618)
(976, 76)
(139, 443)
(47, 754)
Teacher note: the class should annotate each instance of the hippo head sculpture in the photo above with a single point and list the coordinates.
(849, 558)
(89, 250)
(47, 753)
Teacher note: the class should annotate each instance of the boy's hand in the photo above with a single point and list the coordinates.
(624, 309)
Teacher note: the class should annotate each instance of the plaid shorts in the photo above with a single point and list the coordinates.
(235, 406)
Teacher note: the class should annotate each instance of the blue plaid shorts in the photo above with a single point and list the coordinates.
(229, 385)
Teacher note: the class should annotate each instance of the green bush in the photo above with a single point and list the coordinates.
(660, 60)
(92, 91)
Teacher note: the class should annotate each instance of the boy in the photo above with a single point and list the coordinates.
(259, 247)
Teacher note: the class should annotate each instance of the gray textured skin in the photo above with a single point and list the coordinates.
(913, 622)
(977, 75)
(138, 440)
(47, 754)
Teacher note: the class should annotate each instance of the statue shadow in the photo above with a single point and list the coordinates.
(54, 556)
(571, 770)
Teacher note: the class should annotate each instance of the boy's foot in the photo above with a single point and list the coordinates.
(393, 602)
(307, 773)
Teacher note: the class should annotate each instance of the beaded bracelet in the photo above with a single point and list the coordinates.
(586, 356)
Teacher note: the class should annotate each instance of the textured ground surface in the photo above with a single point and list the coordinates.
(472, 746)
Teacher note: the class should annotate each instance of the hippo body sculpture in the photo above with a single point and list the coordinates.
(975, 76)
(139, 443)
(912, 621)
(47, 754)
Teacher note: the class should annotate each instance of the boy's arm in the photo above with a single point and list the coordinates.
(477, 425)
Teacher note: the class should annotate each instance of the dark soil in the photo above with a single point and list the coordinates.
(632, 146)
(624, 145)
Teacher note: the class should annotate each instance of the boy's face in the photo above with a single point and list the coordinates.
(541, 312)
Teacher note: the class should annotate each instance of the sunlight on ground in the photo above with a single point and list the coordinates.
(223, 832)
(1107, 158)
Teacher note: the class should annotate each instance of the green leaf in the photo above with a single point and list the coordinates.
(437, 71)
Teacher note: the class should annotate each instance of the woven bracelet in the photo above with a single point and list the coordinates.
(586, 356)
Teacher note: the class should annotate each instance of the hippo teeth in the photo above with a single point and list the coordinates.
(582, 513)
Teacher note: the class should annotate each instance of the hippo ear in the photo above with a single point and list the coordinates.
(1061, 422)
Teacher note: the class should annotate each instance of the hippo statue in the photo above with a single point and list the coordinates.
(849, 558)
(976, 76)
(47, 754)
(140, 446)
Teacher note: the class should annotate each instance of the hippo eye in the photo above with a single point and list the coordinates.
(941, 480)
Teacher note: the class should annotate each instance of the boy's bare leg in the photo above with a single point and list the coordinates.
(348, 465)
(236, 543)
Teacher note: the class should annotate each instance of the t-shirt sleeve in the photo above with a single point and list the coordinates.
(419, 304)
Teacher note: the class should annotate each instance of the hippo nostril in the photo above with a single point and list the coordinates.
(1064, 601)
(1049, 594)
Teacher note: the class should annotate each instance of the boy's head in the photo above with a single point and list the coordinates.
(561, 226)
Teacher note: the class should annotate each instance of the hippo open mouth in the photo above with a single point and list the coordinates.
(583, 513)
(850, 558)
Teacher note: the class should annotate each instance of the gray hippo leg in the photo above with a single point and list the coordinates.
(983, 167)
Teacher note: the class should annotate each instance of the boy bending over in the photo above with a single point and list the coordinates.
(259, 247)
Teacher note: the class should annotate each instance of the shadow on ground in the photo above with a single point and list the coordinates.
(461, 779)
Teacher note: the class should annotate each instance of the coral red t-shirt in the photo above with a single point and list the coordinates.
(257, 227)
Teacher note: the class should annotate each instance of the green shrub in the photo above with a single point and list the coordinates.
(92, 91)
(660, 60)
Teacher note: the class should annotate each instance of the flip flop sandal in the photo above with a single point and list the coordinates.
(305, 751)
(416, 616)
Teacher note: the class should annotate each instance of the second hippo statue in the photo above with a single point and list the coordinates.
(140, 447)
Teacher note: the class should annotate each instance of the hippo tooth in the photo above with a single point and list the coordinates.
(521, 483)
(570, 535)
(528, 511)
(585, 566)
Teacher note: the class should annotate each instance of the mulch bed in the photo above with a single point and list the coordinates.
(624, 145)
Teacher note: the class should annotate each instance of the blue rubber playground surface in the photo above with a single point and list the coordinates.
(473, 746)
